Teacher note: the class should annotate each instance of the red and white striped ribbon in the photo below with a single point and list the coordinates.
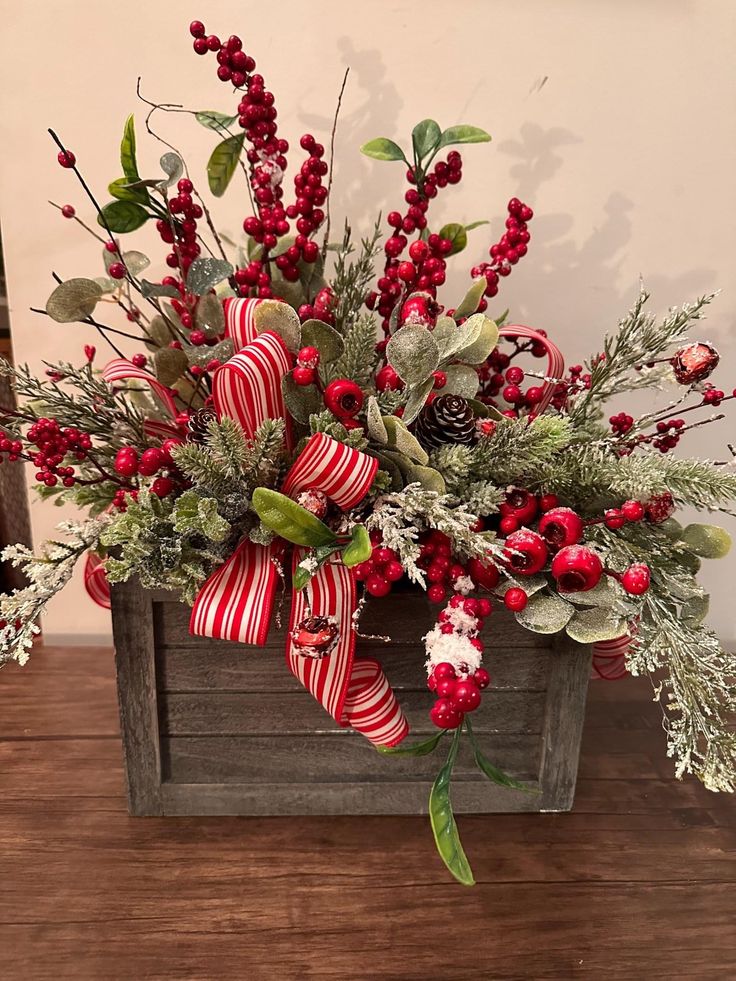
(120, 369)
(609, 659)
(342, 473)
(240, 320)
(95, 580)
(555, 360)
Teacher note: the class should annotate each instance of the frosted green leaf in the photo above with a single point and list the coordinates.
(413, 353)
(374, 423)
(205, 274)
(461, 380)
(401, 440)
(172, 165)
(135, 262)
(302, 401)
(429, 478)
(545, 614)
(198, 515)
(223, 162)
(171, 364)
(73, 300)
(470, 302)
(607, 594)
(707, 541)
(595, 625)
(281, 319)
(417, 397)
(325, 338)
(210, 317)
(478, 350)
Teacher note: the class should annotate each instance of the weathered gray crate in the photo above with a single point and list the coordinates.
(211, 727)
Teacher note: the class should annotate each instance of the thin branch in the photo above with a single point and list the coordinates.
(332, 159)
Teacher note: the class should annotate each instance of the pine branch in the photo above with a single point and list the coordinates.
(358, 360)
(352, 280)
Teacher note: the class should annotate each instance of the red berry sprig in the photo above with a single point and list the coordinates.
(511, 247)
(181, 231)
(54, 445)
(382, 570)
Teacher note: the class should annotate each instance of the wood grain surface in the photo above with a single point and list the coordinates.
(637, 882)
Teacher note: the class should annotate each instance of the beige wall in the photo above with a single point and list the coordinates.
(627, 152)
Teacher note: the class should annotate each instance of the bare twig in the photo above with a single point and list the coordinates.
(332, 159)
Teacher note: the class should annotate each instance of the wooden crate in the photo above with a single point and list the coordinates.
(212, 727)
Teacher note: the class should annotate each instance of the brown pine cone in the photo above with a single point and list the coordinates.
(448, 419)
(197, 425)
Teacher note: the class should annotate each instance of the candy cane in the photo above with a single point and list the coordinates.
(555, 360)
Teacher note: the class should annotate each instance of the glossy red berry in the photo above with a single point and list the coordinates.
(444, 670)
(440, 379)
(162, 486)
(387, 379)
(126, 462)
(466, 696)
(576, 568)
(519, 504)
(304, 376)
(377, 585)
(484, 574)
(515, 599)
(116, 270)
(632, 510)
(196, 28)
(561, 526)
(393, 571)
(308, 357)
(636, 579)
(343, 398)
(139, 360)
(444, 714)
(614, 518)
(482, 678)
(151, 461)
(548, 501)
(526, 552)
(66, 158)
(436, 593)
(445, 687)
(68, 211)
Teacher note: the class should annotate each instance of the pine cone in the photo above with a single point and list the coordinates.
(197, 424)
(448, 419)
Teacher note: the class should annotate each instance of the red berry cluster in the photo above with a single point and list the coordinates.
(511, 247)
(54, 445)
(425, 269)
(181, 232)
(621, 423)
(307, 360)
(12, 447)
(128, 463)
(381, 570)
(457, 685)
(235, 64)
(322, 308)
(668, 434)
(499, 377)
(713, 395)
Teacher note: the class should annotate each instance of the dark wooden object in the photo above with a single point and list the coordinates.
(211, 727)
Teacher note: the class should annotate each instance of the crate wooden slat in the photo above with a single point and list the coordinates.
(217, 728)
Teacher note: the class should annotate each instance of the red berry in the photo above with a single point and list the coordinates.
(126, 462)
(116, 270)
(446, 687)
(304, 376)
(613, 518)
(444, 670)
(407, 272)
(151, 461)
(167, 446)
(548, 501)
(393, 571)
(514, 376)
(636, 579)
(483, 574)
(196, 28)
(508, 525)
(343, 398)
(66, 158)
(526, 552)
(162, 486)
(68, 211)
(632, 510)
(466, 696)
(377, 585)
(139, 360)
(561, 526)
(482, 678)
(445, 715)
(485, 608)
(308, 357)
(515, 599)
(520, 504)
(576, 568)
(388, 380)
(440, 379)
(383, 554)
(436, 593)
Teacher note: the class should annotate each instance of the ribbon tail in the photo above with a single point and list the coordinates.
(355, 692)
(95, 580)
(235, 603)
(609, 659)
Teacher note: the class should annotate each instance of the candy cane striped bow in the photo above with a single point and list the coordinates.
(609, 659)
(555, 360)
(236, 602)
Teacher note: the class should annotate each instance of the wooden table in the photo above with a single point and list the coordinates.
(638, 882)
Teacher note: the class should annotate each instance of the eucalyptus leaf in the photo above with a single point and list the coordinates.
(391, 468)
(464, 134)
(127, 151)
(150, 290)
(290, 293)
(202, 354)
(424, 748)
(290, 520)
(302, 401)
(470, 302)
(425, 137)
(417, 397)
(122, 216)
(73, 300)
(358, 549)
(545, 613)
(707, 541)
(461, 380)
(374, 422)
(135, 262)
(383, 149)
(205, 273)
(173, 166)
(106, 284)
(223, 162)
(325, 338)
(595, 625)
(413, 353)
(444, 333)
(282, 319)
(444, 828)
(456, 234)
(210, 317)
(159, 331)
(607, 594)
(460, 336)
(478, 350)
(401, 440)
(171, 363)
(211, 119)
(429, 478)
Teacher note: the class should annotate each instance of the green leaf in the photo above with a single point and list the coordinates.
(456, 234)
(290, 520)
(594, 625)
(545, 614)
(122, 216)
(171, 363)
(135, 262)
(173, 166)
(205, 274)
(301, 576)
(157, 289)
(198, 515)
(222, 163)
(383, 149)
(695, 609)
(417, 397)
(401, 440)
(417, 749)
(707, 541)
(444, 828)
(127, 152)
(210, 317)
(454, 338)
(461, 380)
(425, 137)
(118, 190)
(429, 478)
(326, 339)
(211, 119)
(476, 224)
(464, 134)
(282, 319)
(471, 300)
(413, 353)
(374, 422)
(302, 401)
(478, 350)
(359, 548)
(492, 772)
(73, 300)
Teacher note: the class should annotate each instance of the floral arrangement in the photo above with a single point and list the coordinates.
(262, 426)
